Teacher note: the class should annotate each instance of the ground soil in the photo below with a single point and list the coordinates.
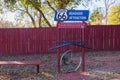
(99, 66)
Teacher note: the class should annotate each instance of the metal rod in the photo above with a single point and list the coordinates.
(83, 50)
(58, 51)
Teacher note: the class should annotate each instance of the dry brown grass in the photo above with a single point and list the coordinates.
(99, 66)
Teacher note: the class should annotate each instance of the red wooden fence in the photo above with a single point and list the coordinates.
(103, 37)
(39, 40)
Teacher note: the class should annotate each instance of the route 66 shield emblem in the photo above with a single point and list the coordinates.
(61, 15)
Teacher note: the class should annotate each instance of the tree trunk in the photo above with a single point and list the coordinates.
(44, 17)
(40, 18)
(46, 20)
(37, 8)
(32, 19)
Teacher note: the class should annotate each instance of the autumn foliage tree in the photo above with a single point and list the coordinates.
(103, 8)
(114, 15)
(94, 18)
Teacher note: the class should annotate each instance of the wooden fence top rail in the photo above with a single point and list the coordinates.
(20, 62)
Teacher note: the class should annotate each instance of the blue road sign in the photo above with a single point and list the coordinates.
(71, 15)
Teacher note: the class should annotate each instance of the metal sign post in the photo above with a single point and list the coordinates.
(83, 50)
(58, 50)
(71, 15)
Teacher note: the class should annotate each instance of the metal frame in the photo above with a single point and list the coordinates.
(83, 26)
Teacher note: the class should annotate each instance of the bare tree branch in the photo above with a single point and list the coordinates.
(50, 6)
(111, 3)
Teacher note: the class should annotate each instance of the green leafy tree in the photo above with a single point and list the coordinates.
(37, 10)
(114, 15)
